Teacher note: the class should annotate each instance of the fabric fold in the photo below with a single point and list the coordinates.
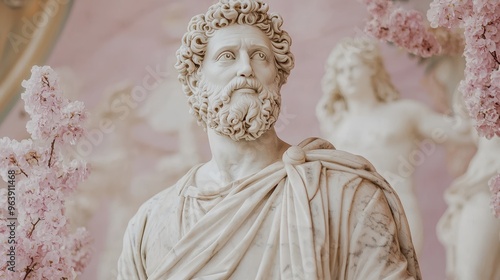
(292, 220)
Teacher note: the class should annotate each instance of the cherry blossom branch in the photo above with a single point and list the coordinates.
(493, 53)
(33, 225)
(45, 81)
(13, 160)
(51, 252)
(51, 151)
(22, 171)
(405, 28)
(30, 268)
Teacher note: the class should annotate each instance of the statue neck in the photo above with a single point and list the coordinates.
(233, 160)
(362, 101)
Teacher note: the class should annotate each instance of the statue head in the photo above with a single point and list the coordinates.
(211, 103)
(367, 52)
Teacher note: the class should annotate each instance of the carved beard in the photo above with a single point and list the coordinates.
(244, 115)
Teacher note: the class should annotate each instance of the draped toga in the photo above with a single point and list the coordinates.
(318, 213)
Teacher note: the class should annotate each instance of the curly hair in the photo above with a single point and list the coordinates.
(368, 51)
(201, 28)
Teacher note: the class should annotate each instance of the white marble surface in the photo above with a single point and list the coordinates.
(316, 214)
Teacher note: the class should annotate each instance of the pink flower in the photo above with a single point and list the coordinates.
(45, 175)
(80, 251)
(378, 7)
(403, 28)
(448, 13)
(52, 115)
(495, 78)
(494, 184)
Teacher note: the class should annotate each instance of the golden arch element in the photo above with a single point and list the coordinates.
(28, 31)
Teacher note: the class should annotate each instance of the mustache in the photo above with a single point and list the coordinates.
(242, 82)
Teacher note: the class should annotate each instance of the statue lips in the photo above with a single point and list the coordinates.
(245, 90)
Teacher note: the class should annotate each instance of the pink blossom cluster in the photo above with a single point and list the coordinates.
(45, 174)
(52, 116)
(495, 194)
(405, 28)
(449, 13)
(480, 21)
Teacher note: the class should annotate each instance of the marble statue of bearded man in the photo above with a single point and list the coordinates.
(262, 208)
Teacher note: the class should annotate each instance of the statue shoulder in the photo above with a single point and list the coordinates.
(410, 106)
(167, 197)
(156, 202)
(346, 164)
(317, 149)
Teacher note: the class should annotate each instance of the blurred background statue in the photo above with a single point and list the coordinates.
(442, 77)
(361, 112)
(129, 169)
(468, 229)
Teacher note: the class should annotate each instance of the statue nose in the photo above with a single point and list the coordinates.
(245, 68)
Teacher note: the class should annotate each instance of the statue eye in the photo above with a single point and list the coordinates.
(226, 56)
(259, 55)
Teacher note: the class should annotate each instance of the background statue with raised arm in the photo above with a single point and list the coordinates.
(261, 208)
(468, 229)
(361, 112)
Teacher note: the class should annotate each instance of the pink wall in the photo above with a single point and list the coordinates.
(105, 42)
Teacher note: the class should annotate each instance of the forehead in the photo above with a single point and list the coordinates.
(238, 35)
(350, 58)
